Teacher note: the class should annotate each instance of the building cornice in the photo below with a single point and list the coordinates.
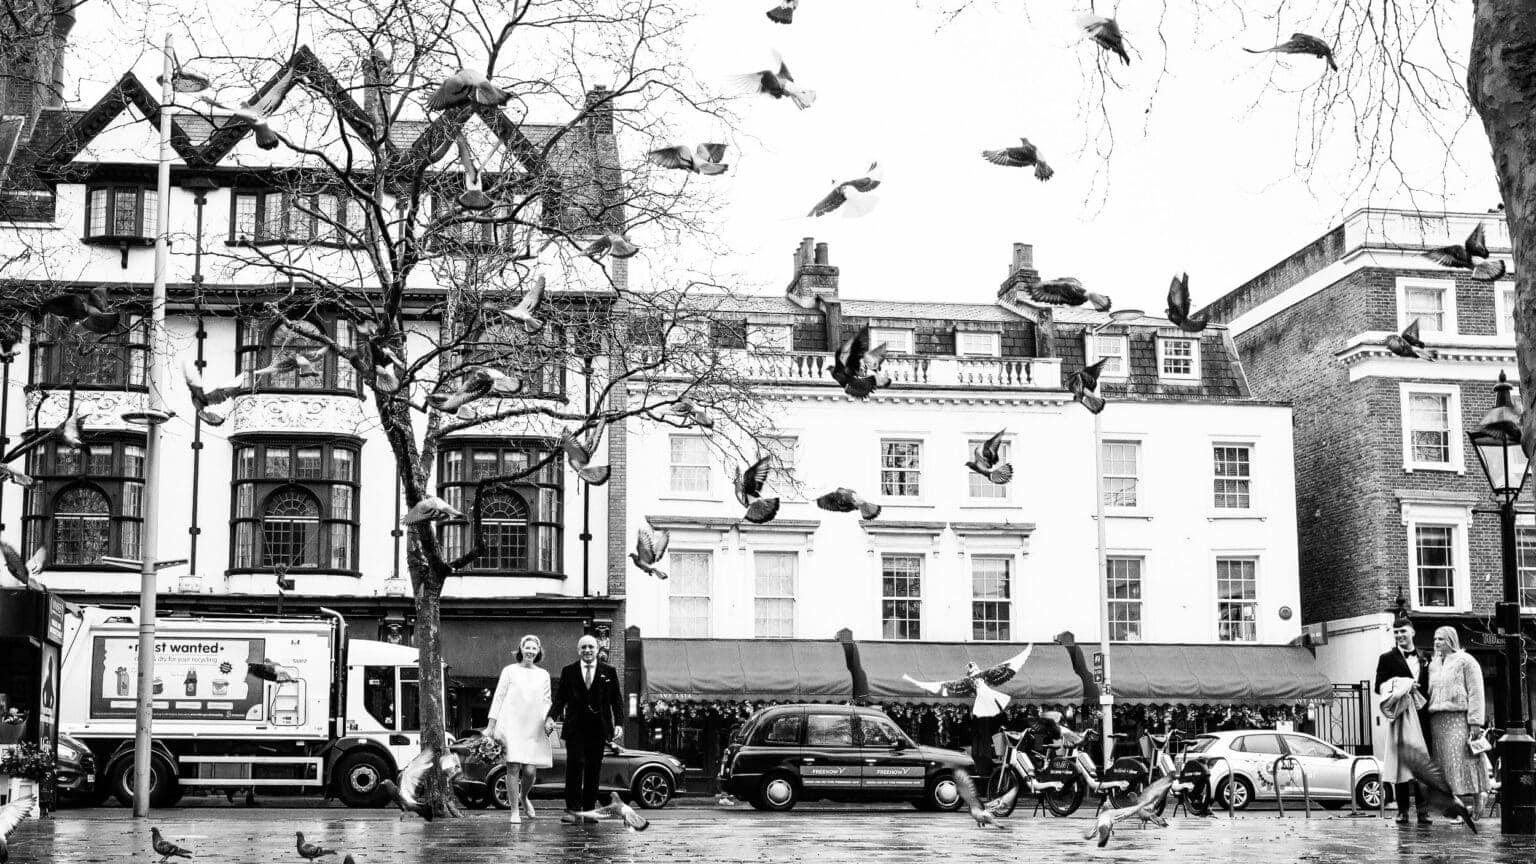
(1461, 358)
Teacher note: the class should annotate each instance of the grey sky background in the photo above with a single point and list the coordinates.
(1203, 177)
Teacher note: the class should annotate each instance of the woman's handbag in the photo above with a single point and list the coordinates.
(1479, 743)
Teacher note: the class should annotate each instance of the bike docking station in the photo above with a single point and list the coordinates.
(1306, 790)
(1354, 800)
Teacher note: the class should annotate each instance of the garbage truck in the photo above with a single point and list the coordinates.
(341, 716)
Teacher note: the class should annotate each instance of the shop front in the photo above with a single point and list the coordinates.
(31, 638)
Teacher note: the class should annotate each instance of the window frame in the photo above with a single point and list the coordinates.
(793, 555)
(1457, 463)
(1253, 603)
(1503, 307)
(1141, 503)
(1139, 601)
(1004, 624)
(1458, 518)
(323, 488)
(1216, 508)
(55, 343)
(1525, 523)
(918, 494)
(913, 625)
(314, 233)
(902, 334)
(543, 532)
(256, 345)
(113, 236)
(1193, 376)
(708, 493)
(53, 477)
(708, 596)
(1091, 353)
(1447, 287)
(994, 343)
(974, 481)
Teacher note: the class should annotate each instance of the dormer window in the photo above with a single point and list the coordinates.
(1113, 350)
(968, 344)
(1178, 359)
(896, 341)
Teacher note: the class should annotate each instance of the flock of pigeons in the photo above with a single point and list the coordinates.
(1471, 255)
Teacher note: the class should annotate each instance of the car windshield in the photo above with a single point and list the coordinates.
(1202, 744)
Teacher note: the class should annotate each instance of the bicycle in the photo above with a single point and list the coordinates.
(1019, 772)
(1192, 779)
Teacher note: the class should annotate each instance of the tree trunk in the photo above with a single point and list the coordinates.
(429, 642)
(1501, 77)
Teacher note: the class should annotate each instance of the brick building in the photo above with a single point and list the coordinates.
(1199, 518)
(1389, 498)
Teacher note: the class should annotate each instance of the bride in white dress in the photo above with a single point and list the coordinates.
(517, 721)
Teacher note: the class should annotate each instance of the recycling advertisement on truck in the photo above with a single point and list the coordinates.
(195, 679)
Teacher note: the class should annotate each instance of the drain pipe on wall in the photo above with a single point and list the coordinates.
(586, 496)
(199, 187)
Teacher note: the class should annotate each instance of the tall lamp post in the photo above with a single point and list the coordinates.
(1106, 695)
(1496, 441)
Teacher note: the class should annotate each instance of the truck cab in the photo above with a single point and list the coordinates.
(382, 718)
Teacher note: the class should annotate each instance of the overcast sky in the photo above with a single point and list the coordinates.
(1205, 181)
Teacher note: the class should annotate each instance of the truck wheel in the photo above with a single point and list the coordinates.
(358, 776)
(164, 790)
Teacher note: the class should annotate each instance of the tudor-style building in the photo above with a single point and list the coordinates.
(1200, 513)
(298, 487)
(1390, 501)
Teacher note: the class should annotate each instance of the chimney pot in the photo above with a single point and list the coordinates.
(821, 253)
(1023, 256)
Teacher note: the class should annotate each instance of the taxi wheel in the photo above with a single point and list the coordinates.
(942, 793)
(777, 793)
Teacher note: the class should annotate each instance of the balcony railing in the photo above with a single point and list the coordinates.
(1406, 229)
(987, 373)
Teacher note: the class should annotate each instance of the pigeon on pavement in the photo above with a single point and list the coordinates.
(165, 848)
(1143, 809)
(981, 814)
(310, 850)
(616, 809)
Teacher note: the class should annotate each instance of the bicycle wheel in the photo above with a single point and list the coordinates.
(1066, 801)
(1003, 782)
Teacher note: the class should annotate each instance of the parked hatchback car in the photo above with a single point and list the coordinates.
(75, 772)
(1332, 775)
(785, 753)
(642, 777)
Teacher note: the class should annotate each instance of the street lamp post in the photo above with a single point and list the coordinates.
(1106, 695)
(1496, 441)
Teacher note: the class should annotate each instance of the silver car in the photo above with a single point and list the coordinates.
(1332, 776)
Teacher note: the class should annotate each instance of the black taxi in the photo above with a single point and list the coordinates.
(787, 753)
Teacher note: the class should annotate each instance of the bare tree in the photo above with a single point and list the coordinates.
(378, 211)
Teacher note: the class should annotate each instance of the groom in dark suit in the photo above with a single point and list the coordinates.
(1403, 660)
(587, 699)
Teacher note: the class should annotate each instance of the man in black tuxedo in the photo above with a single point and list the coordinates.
(587, 699)
(1407, 730)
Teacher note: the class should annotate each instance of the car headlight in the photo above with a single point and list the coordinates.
(67, 752)
(676, 762)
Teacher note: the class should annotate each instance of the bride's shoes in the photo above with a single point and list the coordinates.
(528, 808)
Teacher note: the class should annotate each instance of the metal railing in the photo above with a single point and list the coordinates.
(1306, 789)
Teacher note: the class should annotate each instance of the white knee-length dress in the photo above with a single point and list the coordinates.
(519, 707)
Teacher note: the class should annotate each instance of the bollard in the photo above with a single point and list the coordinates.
(1381, 800)
(1306, 790)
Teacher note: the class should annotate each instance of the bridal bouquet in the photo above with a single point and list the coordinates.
(486, 749)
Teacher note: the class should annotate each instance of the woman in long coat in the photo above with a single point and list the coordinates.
(1456, 715)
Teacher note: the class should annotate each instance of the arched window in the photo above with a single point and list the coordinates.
(294, 505)
(504, 521)
(82, 525)
(290, 529)
(521, 521)
(266, 340)
(87, 503)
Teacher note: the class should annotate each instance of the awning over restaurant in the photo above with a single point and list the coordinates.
(1046, 678)
(1211, 674)
(750, 670)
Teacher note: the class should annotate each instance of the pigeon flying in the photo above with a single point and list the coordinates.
(1471, 255)
(91, 312)
(579, 454)
(1069, 292)
(482, 381)
(856, 366)
(692, 413)
(986, 460)
(411, 778)
(11, 474)
(165, 848)
(1084, 384)
(749, 491)
(651, 547)
(1178, 306)
(523, 311)
(473, 197)
(310, 850)
(268, 670)
(980, 683)
(1144, 808)
(610, 244)
(204, 398)
(467, 86)
(851, 196)
(777, 84)
(23, 571)
(258, 109)
(184, 80)
(430, 509)
(784, 13)
(25, 807)
(1022, 156)
(294, 361)
(968, 794)
(616, 809)
(704, 159)
(845, 500)
(1106, 33)
(1301, 43)
(1432, 778)
(1408, 344)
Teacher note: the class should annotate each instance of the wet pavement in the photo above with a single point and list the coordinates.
(713, 835)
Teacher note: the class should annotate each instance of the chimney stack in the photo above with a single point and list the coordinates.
(600, 120)
(377, 74)
(32, 61)
(814, 277)
(1021, 272)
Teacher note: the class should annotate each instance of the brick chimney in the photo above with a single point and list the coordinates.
(377, 73)
(1021, 272)
(814, 277)
(600, 119)
(32, 57)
